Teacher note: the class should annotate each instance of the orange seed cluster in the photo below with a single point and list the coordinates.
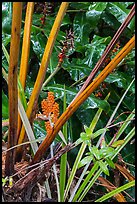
(51, 109)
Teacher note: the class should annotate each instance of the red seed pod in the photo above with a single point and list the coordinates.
(61, 56)
(99, 94)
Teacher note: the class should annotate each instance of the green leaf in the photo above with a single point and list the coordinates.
(38, 44)
(110, 163)
(84, 136)
(94, 13)
(122, 80)
(5, 105)
(116, 191)
(117, 143)
(98, 132)
(77, 142)
(6, 17)
(118, 9)
(107, 151)
(95, 152)
(95, 50)
(77, 69)
(81, 29)
(87, 130)
(103, 167)
(80, 5)
(85, 161)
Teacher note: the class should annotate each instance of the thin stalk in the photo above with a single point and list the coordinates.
(44, 64)
(118, 149)
(24, 118)
(25, 51)
(48, 188)
(92, 127)
(84, 184)
(27, 126)
(26, 44)
(127, 139)
(20, 88)
(5, 52)
(116, 191)
(123, 127)
(114, 112)
(55, 174)
(109, 47)
(78, 183)
(51, 76)
(75, 166)
(82, 97)
(63, 163)
(12, 85)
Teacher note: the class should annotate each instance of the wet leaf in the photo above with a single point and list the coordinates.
(6, 17)
(81, 29)
(118, 9)
(94, 13)
(95, 50)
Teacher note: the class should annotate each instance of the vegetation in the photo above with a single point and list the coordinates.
(68, 101)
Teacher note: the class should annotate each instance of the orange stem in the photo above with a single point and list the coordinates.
(82, 97)
(43, 66)
(25, 51)
(12, 86)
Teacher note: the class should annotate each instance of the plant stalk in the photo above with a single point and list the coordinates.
(12, 86)
(25, 52)
(43, 67)
(82, 97)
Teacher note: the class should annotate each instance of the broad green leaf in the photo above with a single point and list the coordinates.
(121, 79)
(80, 5)
(39, 42)
(95, 50)
(94, 13)
(77, 69)
(103, 167)
(81, 29)
(6, 17)
(99, 6)
(118, 9)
